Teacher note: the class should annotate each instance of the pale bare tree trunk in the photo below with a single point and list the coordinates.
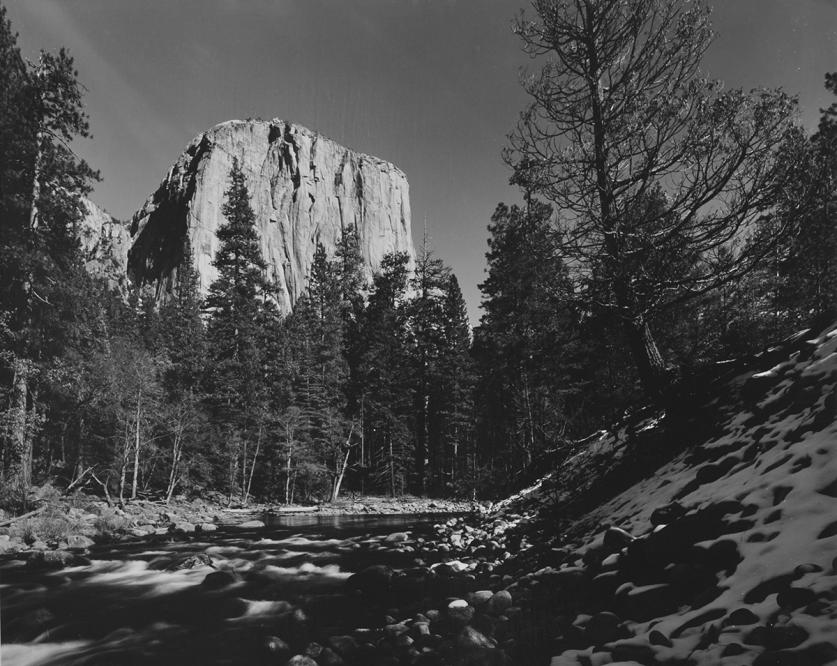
(36, 181)
(233, 455)
(391, 468)
(175, 461)
(104, 485)
(136, 445)
(335, 493)
(338, 481)
(530, 434)
(288, 477)
(79, 477)
(453, 462)
(244, 468)
(253, 466)
(289, 426)
(123, 468)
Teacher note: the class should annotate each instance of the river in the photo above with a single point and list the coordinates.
(234, 596)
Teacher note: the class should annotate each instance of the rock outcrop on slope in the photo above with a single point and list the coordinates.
(304, 189)
(105, 242)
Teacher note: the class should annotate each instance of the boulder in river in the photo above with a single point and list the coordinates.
(28, 626)
(460, 612)
(500, 601)
(329, 657)
(300, 660)
(372, 581)
(344, 645)
(79, 542)
(273, 644)
(251, 525)
(220, 579)
(191, 561)
(181, 527)
(480, 598)
(143, 531)
(470, 638)
(54, 559)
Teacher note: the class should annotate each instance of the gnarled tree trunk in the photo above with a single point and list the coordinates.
(649, 362)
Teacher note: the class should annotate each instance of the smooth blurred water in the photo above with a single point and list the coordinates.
(131, 604)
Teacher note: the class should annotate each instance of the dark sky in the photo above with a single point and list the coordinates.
(431, 85)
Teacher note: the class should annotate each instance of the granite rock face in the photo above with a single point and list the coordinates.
(105, 242)
(304, 189)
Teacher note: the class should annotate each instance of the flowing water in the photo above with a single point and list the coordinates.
(152, 602)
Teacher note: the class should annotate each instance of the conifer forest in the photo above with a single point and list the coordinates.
(594, 297)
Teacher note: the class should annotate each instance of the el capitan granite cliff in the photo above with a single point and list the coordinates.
(304, 188)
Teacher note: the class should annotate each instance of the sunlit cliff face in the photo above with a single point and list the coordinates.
(305, 189)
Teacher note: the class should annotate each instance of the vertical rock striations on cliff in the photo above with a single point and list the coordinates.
(304, 188)
(104, 244)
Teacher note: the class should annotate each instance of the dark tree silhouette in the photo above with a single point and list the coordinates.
(621, 118)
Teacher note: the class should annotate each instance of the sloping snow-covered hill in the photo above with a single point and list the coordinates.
(718, 549)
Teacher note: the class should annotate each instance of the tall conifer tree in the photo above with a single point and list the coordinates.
(522, 341)
(237, 304)
(184, 340)
(456, 468)
(41, 187)
(384, 371)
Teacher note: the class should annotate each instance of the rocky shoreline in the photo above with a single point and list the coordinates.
(71, 525)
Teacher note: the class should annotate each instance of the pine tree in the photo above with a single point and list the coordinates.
(349, 267)
(321, 332)
(82, 405)
(385, 377)
(239, 309)
(323, 369)
(425, 314)
(183, 339)
(41, 185)
(456, 468)
(438, 350)
(525, 343)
